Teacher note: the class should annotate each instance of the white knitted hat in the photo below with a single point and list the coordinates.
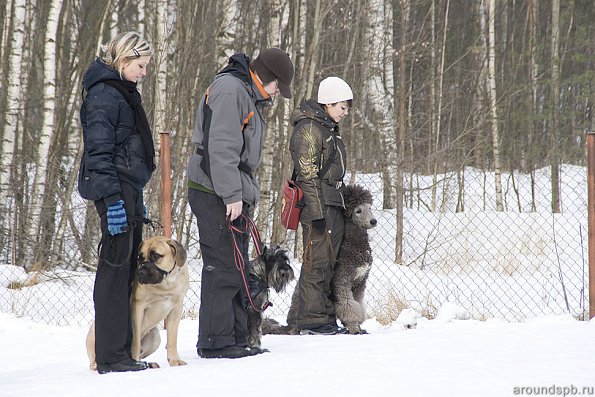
(333, 90)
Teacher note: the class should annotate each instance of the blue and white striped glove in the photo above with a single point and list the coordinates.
(116, 218)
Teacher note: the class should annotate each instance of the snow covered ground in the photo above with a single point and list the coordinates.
(441, 357)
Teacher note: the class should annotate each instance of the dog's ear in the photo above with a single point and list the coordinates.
(178, 251)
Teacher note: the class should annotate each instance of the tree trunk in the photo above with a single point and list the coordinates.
(13, 103)
(533, 70)
(380, 91)
(162, 45)
(432, 151)
(392, 74)
(311, 56)
(401, 94)
(492, 98)
(437, 112)
(554, 101)
(40, 188)
(5, 15)
(269, 173)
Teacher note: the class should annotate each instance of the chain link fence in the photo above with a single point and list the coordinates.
(513, 264)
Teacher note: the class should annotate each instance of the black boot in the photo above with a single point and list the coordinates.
(327, 329)
(125, 365)
(231, 352)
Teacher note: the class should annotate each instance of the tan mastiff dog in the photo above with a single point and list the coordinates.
(161, 283)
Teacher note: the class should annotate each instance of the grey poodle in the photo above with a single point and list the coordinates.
(351, 271)
(354, 260)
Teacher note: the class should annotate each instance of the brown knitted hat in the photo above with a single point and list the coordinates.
(274, 63)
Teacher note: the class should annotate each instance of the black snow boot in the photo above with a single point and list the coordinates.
(231, 352)
(125, 365)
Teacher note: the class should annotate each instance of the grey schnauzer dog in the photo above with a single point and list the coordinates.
(270, 270)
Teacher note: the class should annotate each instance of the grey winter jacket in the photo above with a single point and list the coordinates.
(234, 131)
(314, 139)
(113, 150)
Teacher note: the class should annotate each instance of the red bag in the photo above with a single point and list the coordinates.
(292, 204)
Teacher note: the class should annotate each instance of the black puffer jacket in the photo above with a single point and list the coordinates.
(314, 140)
(113, 148)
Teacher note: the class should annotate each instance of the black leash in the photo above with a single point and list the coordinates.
(109, 240)
(131, 224)
(239, 257)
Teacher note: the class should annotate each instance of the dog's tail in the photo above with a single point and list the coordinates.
(272, 327)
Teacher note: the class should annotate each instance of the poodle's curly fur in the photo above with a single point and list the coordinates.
(354, 260)
(351, 271)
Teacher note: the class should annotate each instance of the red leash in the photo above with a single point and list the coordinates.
(239, 258)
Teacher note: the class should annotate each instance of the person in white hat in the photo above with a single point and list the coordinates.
(319, 159)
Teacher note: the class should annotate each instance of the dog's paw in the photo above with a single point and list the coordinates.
(153, 365)
(176, 362)
(355, 329)
(93, 366)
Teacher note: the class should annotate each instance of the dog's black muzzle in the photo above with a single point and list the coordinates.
(150, 273)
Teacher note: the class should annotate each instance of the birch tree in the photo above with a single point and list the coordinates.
(378, 94)
(268, 171)
(39, 186)
(433, 136)
(532, 23)
(13, 101)
(311, 55)
(389, 129)
(227, 31)
(5, 15)
(141, 17)
(437, 98)
(492, 98)
(297, 31)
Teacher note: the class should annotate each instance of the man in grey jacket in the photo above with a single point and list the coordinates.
(228, 139)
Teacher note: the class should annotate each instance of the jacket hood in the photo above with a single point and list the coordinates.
(311, 109)
(239, 67)
(99, 71)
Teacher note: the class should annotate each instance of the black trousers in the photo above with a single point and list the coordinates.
(113, 280)
(222, 316)
(315, 307)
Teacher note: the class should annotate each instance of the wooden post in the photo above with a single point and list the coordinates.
(591, 220)
(165, 183)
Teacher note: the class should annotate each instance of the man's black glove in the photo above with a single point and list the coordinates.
(319, 225)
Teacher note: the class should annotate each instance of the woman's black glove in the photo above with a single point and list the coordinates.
(319, 225)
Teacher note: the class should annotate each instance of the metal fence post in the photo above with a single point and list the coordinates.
(165, 183)
(591, 214)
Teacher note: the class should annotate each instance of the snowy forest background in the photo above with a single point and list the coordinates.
(476, 109)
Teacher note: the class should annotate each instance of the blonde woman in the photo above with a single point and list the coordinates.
(117, 162)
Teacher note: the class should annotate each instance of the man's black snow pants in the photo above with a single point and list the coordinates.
(222, 315)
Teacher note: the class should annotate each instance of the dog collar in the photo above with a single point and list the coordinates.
(164, 273)
(161, 271)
